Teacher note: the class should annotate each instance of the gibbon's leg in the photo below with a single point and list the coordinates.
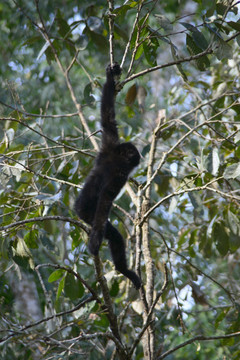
(103, 208)
(117, 247)
(87, 200)
(99, 222)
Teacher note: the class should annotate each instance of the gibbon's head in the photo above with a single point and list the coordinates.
(128, 155)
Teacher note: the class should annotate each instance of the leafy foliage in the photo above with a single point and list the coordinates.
(181, 206)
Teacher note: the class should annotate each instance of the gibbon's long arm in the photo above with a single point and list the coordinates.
(109, 126)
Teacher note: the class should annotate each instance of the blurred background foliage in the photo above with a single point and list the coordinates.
(46, 153)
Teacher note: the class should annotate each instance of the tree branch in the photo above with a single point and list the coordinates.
(45, 218)
(171, 63)
(197, 338)
(109, 307)
(111, 29)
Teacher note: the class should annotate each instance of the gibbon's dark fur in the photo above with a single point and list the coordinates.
(110, 172)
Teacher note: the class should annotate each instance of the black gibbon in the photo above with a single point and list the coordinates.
(112, 166)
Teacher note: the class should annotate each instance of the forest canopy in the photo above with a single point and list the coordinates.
(178, 101)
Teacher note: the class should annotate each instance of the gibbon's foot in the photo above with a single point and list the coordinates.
(131, 275)
(134, 278)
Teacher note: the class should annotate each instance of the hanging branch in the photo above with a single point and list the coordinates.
(111, 29)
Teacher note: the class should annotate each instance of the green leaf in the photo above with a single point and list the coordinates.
(212, 161)
(164, 22)
(82, 42)
(48, 52)
(179, 66)
(184, 236)
(21, 254)
(84, 312)
(73, 287)
(191, 252)
(32, 40)
(211, 9)
(234, 25)
(31, 239)
(114, 289)
(196, 201)
(143, 32)
(220, 237)
(146, 150)
(121, 11)
(60, 287)
(98, 40)
(221, 8)
(222, 49)
(197, 36)
(232, 171)
(88, 97)
(46, 241)
(131, 95)
(200, 39)
(120, 31)
(63, 27)
(57, 274)
(95, 24)
(234, 242)
(43, 50)
(76, 238)
(202, 62)
(139, 52)
(222, 315)
(150, 51)
(234, 223)
(205, 243)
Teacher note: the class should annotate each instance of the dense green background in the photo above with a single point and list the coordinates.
(46, 154)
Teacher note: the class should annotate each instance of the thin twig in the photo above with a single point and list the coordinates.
(43, 176)
(29, 326)
(43, 135)
(45, 218)
(132, 32)
(27, 114)
(171, 63)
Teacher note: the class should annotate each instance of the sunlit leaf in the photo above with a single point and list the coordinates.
(232, 171)
(56, 275)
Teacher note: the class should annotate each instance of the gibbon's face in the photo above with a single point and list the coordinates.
(129, 154)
